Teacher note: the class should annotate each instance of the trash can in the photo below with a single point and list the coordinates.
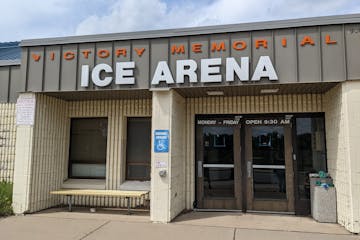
(323, 198)
(315, 178)
(324, 204)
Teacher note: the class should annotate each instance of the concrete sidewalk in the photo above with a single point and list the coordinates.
(104, 224)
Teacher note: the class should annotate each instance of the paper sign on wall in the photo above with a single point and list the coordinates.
(25, 109)
(160, 164)
(161, 141)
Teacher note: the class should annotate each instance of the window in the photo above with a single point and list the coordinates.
(138, 148)
(311, 151)
(88, 139)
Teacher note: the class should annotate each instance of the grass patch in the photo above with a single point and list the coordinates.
(5, 198)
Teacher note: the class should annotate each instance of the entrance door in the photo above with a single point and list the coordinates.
(218, 168)
(269, 163)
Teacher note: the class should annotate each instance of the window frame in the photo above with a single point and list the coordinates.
(70, 162)
(147, 164)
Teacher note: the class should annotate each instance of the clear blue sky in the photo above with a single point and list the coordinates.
(52, 18)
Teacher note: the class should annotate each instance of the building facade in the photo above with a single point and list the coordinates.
(229, 117)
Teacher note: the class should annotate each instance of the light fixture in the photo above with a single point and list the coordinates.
(215, 93)
(159, 89)
(269, 90)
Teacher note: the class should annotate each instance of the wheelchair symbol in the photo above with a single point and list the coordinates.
(161, 146)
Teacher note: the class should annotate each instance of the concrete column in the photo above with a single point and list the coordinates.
(22, 168)
(168, 193)
(342, 117)
(352, 94)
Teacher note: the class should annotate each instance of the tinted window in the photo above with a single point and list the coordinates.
(311, 152)
(138, 149)
(88, 142)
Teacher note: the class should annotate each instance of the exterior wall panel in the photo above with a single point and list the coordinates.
(174, 56)
(125, 56)
(352, 37)
(309, 55)
(333, 55)
(4, 83)
(68, 71)
(85, 60)
(214, 41)
(286, 57)
(106, 46)
(235, 38)
(202, 41)
(34, 76)
(52, 68)
(261, 50)
(159, 52)
(142, 62)
(15, 85)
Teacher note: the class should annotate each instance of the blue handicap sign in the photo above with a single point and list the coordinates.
(161, 141)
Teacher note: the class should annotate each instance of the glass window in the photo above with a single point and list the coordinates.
(218, 162)
(268, 162)
(138, 148)
(219, 182)
(311, 152)
(218, 145)
(268, 145)
(88, 140)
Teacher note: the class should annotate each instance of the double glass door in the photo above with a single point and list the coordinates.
(244, 166)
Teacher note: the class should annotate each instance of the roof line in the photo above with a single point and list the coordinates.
(10, 62)
(254, 26)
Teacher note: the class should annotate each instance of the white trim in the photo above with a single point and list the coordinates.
(269, 166)
(218, 165)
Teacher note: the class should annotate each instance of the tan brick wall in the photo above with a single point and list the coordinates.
(7, 141)
(49, 152)
(116, 111)
(342, 116)
(45, 149)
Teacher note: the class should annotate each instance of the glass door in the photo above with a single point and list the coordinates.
(269, 167)
(218, 167)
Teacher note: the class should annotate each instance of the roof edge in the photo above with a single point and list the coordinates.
(10, 62)
(241, 27)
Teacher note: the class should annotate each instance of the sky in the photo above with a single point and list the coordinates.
(30, 19)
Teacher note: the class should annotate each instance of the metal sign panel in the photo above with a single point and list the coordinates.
(161, 141)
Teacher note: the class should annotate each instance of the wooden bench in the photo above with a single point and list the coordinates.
(128, 195)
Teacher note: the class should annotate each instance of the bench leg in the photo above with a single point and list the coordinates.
(69, 200)
(128, 205)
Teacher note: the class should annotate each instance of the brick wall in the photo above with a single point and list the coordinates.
(7, 141)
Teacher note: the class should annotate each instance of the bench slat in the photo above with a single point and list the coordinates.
(93, 192)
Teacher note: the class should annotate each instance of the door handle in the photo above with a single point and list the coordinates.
(200, 169)
(249, 168)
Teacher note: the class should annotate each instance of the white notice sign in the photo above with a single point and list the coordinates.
(25, 109)
(161, 164)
